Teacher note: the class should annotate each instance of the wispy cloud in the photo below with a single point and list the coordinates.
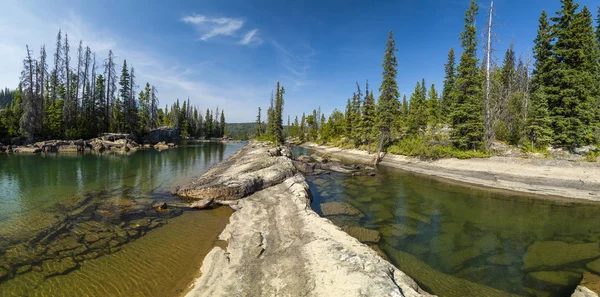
(251, 38)
(297, 63)
(212, 27)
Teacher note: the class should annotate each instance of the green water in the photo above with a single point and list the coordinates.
(460, 241)
(68, 219)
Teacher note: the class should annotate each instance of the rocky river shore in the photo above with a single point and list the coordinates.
(556, 179)
(160, 139)
(276, 245)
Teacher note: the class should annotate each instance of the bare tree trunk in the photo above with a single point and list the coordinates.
(382, 144)
(79, 58)
(489, 131)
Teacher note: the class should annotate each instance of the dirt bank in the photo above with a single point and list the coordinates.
(554, 179)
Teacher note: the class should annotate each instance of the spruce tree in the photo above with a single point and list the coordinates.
(356, 135)
(222, 123)
(449, 80)
(368, 117)
(258, 124)
(573, 92)
(418, 113)
(467, 115)
(388, 105)
(434, 114)
(302, 128)
(538, 129)
(278, 113)
(405, 109)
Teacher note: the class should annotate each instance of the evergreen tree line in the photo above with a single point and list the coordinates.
(6, 96)
(555, 101)
(273, 129)
(88, 97)
(190, 121)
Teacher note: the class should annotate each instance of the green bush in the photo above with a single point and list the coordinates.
(592, 157)
(424, 149)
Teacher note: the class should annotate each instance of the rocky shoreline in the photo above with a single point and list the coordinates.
(160, 139)
(560, 180)
(276, 245)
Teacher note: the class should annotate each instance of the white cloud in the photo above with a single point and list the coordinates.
(251, 38)
(212, 27)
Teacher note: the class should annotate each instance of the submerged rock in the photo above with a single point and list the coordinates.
(594, 266)
(553, 278)
(363, 234)
(159, 205)
(339, 208)
(549, 254)
(398, 230)
(503, 259)
(58, 266)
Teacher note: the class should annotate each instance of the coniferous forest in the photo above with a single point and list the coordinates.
(58, 98)
(552, 100)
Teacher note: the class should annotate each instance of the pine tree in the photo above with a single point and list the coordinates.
(356, 133)
(405, 109)
(449, 81)
(222, 123)
(467, 115)
(538, 128)
(70, 103)
(278, 115)
(388, 105)
(573, 93)
(434, 110)
(368, 117)
(55, 79)
(111, 86)
(418, 113)
(302, 128)
(30, 122)
(208, 124)
(259, 126)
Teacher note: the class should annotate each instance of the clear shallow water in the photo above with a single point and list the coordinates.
(460, 241)
(84, 223)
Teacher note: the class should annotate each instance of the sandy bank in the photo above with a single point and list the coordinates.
(550, 178)
(277, 245)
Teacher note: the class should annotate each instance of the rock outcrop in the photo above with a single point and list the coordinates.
(277, 245)
(250, 170)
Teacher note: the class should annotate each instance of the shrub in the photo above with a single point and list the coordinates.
(592, 157)
(425, 149)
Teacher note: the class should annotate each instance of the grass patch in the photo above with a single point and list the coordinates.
(424, 149)
(592, 157)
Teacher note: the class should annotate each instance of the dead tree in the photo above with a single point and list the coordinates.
(489, 129)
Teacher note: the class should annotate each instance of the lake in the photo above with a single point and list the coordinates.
(83, 224)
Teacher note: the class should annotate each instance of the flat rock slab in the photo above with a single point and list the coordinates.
(548, 254)
(278, 246)
(249, 170)
(339, 208)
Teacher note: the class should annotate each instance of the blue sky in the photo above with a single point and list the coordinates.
(231, 53)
